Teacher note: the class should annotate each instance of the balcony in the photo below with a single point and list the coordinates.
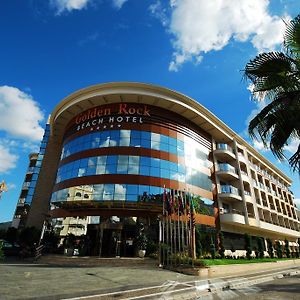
(233, 217)
(242, 158)
(245, 176)
(279, 229)
(224, 152)
(230, 192)
(226, 172)
(26, 185)
(21, 201)
(30, 170)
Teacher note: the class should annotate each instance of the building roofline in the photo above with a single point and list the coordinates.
(161, 94)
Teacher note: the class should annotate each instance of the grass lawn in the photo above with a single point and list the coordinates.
(228, 261)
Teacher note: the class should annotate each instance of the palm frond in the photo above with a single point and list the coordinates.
(294, 161)
(292, 37)
(272, 73)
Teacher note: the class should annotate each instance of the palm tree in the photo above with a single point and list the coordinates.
(276, 77)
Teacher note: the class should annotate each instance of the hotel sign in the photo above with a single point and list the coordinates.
(102, 117)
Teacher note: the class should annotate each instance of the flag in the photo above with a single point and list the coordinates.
(180, 204)
(187, 199)
(3, 187)
(192, 204)
(167, 202)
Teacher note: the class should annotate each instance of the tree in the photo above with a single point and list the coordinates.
(260, 247)
(287, 248)
(270, 248)
(199, 249)
(276, 77)
(1, 251)
(278, 249)
(248, 245)
(221, 245)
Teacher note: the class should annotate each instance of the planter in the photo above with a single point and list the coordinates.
(142, 253)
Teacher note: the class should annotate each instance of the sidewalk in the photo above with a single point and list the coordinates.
(60, 277)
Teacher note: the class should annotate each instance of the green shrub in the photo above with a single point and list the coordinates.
(1, 251)
(278, 249)
(248, 245)
(270, 248)
(221, 245)
(260, 247)
(287, 248)
(212, 251)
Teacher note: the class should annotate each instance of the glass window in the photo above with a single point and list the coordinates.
(145, 161)
(108, 193)
(124, 138)
(164, 173)
(155, 162)
(154, 172)
(146, 144)
(134, 160)
(133, 169)
(135, 142)
(164, 147)
(144, 170)
(146, 135)
(132, 189)
(111, 159)
(120, 192)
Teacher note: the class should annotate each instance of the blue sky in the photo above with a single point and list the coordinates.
(51, 48)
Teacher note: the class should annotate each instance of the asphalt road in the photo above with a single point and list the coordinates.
(287, 288)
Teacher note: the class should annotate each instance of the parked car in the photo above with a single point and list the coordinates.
(10, 249)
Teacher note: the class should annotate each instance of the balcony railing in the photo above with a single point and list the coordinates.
(224, 147)
(227, 168)
(229, 189)
(247, 193)
(30, 169)
(238, 212)
(26, 185)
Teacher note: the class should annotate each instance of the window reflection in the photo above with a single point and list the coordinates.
(130, 193)
(191, 150)
(134, 165)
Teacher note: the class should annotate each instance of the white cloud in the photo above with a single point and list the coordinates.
(118, 3)
(292, 146)
(11, 186)
(20, 114)
(200, 26)
(297, 201)
(7, 159)
(160, 12)
(68, 5)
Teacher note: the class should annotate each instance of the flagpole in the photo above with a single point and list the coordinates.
(178, 225)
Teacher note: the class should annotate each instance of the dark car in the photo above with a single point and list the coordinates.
(10, 249)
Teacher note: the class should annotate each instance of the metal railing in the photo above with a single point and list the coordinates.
(38, 252)
(229, 189)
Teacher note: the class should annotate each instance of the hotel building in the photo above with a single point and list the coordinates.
(112, 148)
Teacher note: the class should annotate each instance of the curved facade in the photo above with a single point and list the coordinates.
(114, 150)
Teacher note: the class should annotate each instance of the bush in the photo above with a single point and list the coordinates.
(248, 245)
(199, 250)
(270, 248)
(212, 251)
(260, 247)
(1, 251)
(287, 248)
(278, 249)
(221, 245)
